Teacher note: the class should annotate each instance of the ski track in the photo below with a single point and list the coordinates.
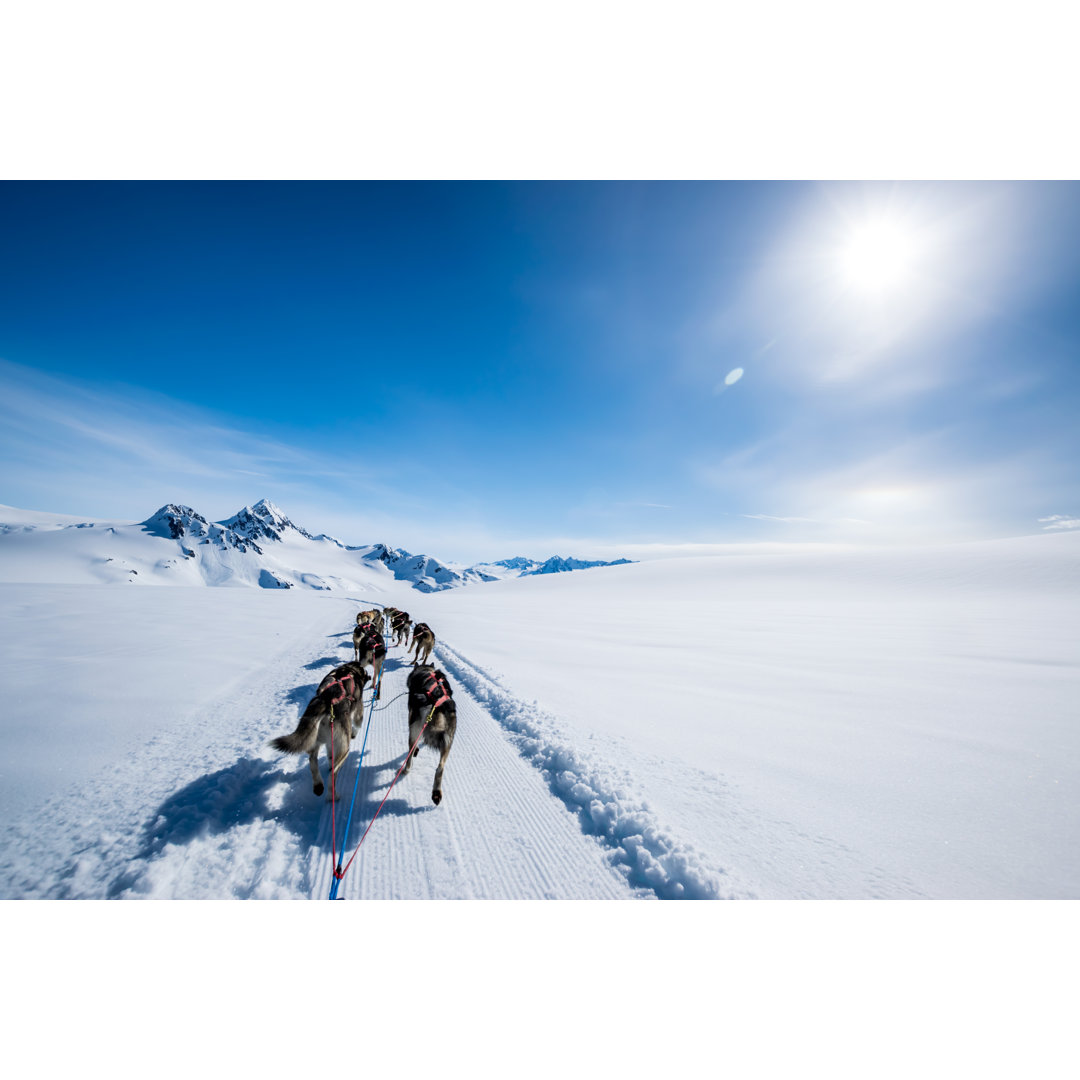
(234, 819)
(649, 857)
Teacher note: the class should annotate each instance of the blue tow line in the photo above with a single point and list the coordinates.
(352, 802)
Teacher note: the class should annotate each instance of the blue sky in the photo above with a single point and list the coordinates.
(478, 370)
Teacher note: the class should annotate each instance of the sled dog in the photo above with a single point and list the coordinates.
(400, 624)
(431, 699)
(423, 641)
(374, 616)
(369, 650)
(340, 695)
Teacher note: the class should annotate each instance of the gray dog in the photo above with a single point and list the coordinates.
(431, 699)
(369, 650)
(340, 695)
(423, 642)
(400, 623)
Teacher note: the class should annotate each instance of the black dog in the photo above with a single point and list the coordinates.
(431, 700)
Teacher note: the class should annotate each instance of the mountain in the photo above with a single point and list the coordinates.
(519, 566)
(556, 565)
(264, 521)
(259, 546)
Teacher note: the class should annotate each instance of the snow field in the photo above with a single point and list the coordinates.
(889, 724)
(201, 808)
(814, 725)
(605, 804)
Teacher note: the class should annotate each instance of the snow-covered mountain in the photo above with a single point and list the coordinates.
(557, 565)
(519, 566)
(259, 546)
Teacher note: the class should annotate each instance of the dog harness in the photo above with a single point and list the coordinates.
(421, 628)
(351, 692)
(436, 690)
(372, 639)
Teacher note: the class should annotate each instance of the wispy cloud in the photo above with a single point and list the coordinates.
(806, 520)
(1059, 521)
(786, 520)
(68, 446)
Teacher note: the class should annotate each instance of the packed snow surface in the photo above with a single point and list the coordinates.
(810, 725)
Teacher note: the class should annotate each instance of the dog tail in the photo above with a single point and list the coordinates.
(306, 735)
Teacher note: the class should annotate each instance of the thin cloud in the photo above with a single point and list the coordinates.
(787, 520)
(120, 454)
(1059, 521)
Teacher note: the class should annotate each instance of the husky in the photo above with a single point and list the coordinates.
(340, 696)
(369, 650)
(373, 616)
(400, 624)
(423, 641)
(431, 699)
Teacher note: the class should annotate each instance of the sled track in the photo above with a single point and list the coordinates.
(205, 809)
(650, 858)
(497, 834)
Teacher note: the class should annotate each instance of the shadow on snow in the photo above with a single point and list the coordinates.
(253, 790)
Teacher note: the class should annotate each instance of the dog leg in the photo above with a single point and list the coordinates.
(376, 671)
(415, 727)
(436, 787)
(316, 779)
(340, 738)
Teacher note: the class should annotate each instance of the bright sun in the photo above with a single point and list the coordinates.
(879, 257)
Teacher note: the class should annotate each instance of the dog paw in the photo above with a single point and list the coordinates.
(436, 797)
(319, 789)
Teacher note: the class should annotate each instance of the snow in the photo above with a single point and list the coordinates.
(829, 725)
(889, 724)
(259, 546)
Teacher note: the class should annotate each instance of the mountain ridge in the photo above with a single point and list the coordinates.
(258, 546)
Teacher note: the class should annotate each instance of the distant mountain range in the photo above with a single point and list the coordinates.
(258, 546)
(522, 567)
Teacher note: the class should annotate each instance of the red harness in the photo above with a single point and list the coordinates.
(435, 687)
(372, 638)
(351, 692)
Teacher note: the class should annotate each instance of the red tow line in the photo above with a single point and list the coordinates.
(340, 873)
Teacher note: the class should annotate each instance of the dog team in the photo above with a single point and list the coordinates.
(339, 698)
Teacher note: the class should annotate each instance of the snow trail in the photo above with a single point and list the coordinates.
(498, 833)
(204, 809)
(603, 802)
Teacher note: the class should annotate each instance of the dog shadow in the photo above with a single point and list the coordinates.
(301, 695)
(251, 790)
(380, 777)
(323, 661)
(393, 808)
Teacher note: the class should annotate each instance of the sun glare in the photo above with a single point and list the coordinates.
(879, 257)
